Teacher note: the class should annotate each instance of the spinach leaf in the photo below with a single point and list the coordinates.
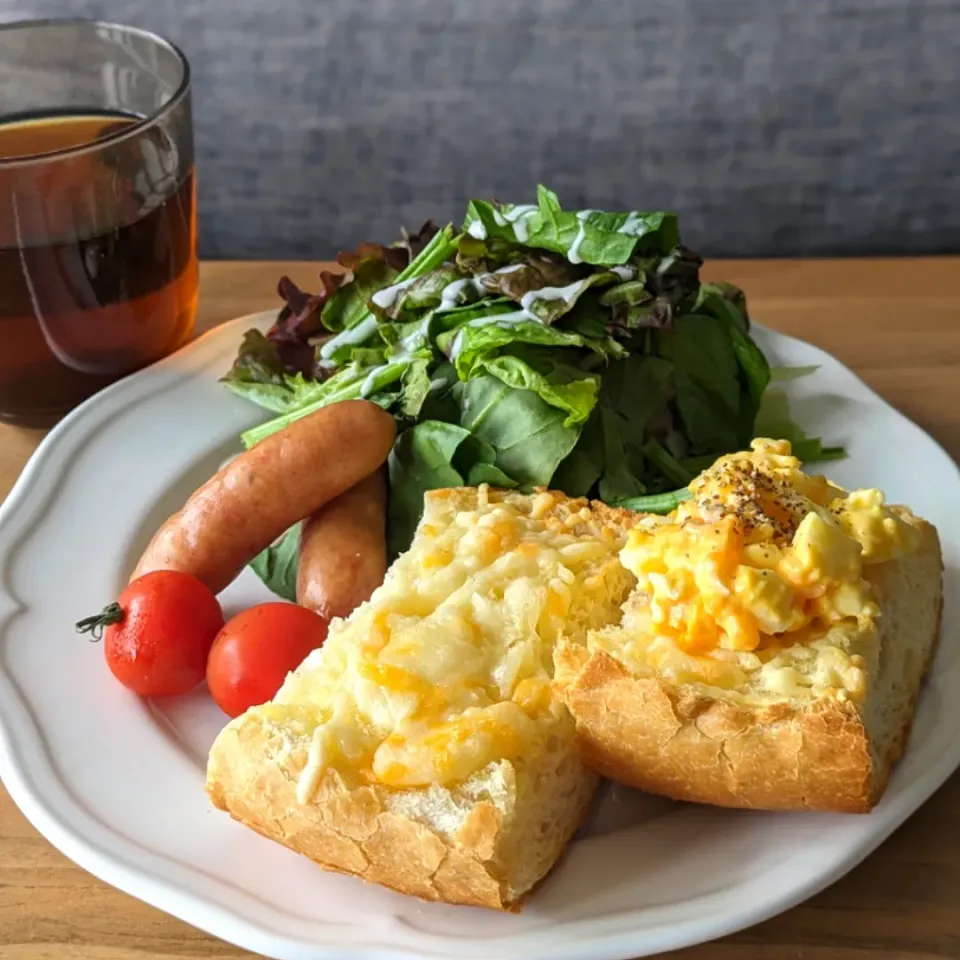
(701, 347)
(774, 421)
(277, 565)
(579, 472)
(529, 436)
(619, 480)
(718, 301)
(638, 389)
(705, 422)
(421, 460)
(476, 460)
(613, 449)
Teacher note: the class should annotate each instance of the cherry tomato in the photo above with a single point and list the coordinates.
(255, 651)
(158, 634)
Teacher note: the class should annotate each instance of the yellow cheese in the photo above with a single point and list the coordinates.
(447, 668)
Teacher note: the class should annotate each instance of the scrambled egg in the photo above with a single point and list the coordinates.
(762, 556)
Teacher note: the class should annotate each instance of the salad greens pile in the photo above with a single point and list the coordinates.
(534, 346)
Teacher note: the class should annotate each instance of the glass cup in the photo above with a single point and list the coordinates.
(98, 261)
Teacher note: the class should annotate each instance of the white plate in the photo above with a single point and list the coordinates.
(118, 785)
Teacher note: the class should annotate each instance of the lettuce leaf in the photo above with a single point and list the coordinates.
(560, 385)
(258, 375)
(346, 384)
(587, 236)
(348, 306)
(470, 344)
(415, 293)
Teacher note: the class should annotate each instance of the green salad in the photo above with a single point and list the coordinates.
(534, 346)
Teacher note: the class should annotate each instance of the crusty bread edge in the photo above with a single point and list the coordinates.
(679, 741)
(350, 829)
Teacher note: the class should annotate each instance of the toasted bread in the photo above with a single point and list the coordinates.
(811, 745)
(440, 766)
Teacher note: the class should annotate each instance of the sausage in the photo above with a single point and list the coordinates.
(255, 498)
(343, 549)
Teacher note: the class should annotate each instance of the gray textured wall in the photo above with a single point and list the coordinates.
(773, 127)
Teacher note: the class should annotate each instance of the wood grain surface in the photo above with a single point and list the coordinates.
(897, 324)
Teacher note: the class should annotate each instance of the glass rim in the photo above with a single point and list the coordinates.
(140, 124)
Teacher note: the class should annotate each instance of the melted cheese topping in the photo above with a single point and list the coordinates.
(758, 579)
(448, 667)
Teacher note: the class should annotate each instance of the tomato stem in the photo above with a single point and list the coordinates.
(111, 613)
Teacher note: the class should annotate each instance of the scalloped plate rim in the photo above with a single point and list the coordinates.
(25, 761)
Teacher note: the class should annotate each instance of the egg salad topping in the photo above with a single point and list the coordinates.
(448, 667)
(761, 556)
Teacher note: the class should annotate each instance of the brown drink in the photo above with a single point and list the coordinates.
(98, 270)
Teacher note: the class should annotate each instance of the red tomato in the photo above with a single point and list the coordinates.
(255, 651)
(158, 634)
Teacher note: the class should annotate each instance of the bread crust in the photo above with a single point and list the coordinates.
(355, 828)
(684, 742)
(673, 740)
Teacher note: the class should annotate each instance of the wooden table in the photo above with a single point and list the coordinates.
(897, 323)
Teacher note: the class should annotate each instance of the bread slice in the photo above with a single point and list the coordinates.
(792, 735)
(422, 747)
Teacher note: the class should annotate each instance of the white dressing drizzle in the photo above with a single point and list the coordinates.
(550, 293)
(499, 320)
(387, 297)
(519, 217)
(477, 230)
(353, 335)
(450, 293)
(410, 341)
(368, 386)
(574, 253)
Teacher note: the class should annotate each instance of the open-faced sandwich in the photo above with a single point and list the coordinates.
(762, 646)
(422, 747)
(772, 652)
